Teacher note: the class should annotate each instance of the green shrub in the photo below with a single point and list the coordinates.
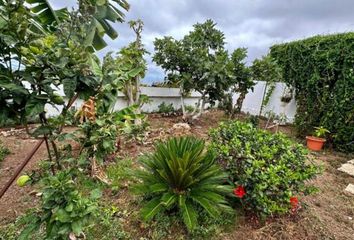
(166, 108)
(189, 108)
(270, 168)
(180, 176)
(63, 209)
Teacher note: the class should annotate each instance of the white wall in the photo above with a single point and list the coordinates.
(251, 104)
(253, 101)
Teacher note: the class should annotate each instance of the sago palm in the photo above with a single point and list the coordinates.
(180, 175)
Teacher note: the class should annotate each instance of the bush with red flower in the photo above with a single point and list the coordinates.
(268, 169)
(239, 191)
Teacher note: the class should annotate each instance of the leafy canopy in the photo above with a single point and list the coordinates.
(196, 62)
(241, 81)
(98, 13)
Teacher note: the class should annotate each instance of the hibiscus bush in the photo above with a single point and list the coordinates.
(269, 170)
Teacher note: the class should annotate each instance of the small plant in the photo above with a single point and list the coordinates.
(166, 108)
(316, 142)
(100, 136)
(180, 176)
(287, 95)
(189, 108)
(253, 119)
(64, 211)
(4, 151)
(320, 132)
(286, 98)
(268, 169)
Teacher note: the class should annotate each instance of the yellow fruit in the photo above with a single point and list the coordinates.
(21, 181)
(58, 99)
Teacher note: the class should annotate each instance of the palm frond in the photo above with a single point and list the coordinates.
(180, 173)
(188, 213)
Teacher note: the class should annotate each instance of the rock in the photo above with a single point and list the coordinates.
(351, 161)
(182, 126)
(347, 168)
(350, 188)
(180, 129)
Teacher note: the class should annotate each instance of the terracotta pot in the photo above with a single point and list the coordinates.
(315, 143)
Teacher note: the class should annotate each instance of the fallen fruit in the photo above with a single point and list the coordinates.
(21, 181)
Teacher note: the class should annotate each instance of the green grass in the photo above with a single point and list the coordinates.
(3, 152)
(118, 173)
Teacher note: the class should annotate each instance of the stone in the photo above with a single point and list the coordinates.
(182, 126)
(351, 161)
(347, 168)
(350, 188)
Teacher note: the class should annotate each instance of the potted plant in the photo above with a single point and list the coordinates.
(286, 96)
(316, 142)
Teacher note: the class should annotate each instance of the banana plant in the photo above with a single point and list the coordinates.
(100, 12)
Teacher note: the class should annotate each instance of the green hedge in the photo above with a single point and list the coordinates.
(320, 69)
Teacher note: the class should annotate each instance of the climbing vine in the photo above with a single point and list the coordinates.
(321, 71)
(266, 69)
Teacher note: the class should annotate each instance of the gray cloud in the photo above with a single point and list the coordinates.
(255, 24)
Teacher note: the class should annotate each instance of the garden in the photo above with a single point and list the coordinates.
(207, 170)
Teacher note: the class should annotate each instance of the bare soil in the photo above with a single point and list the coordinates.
(328, 214)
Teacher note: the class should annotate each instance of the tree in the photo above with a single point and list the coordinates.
(38, 54)
(130, 67)
(241, 80)
(197, 62)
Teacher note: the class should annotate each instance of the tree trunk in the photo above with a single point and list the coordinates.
(130, 94)
(137, 100)
(201, 109)
(239, 102)
(182, 103)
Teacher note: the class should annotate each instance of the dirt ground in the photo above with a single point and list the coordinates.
(328, 214)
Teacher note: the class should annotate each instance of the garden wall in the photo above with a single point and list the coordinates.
(252, 103)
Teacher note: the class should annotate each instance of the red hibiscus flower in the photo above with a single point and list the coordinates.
(294, 202)
(239, 191)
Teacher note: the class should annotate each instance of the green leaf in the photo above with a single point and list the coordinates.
(69, 207)
(98, 42)
(151, 209)
(69, 87)
(30, 229)
(62, 216)
(107, 144)
(135, 72)
(16, 89)
(76, 227)
(158, 187)
(96, 193)
(34, 107)
(188, 213)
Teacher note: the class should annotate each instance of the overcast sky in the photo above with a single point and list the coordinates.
(255, 24)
